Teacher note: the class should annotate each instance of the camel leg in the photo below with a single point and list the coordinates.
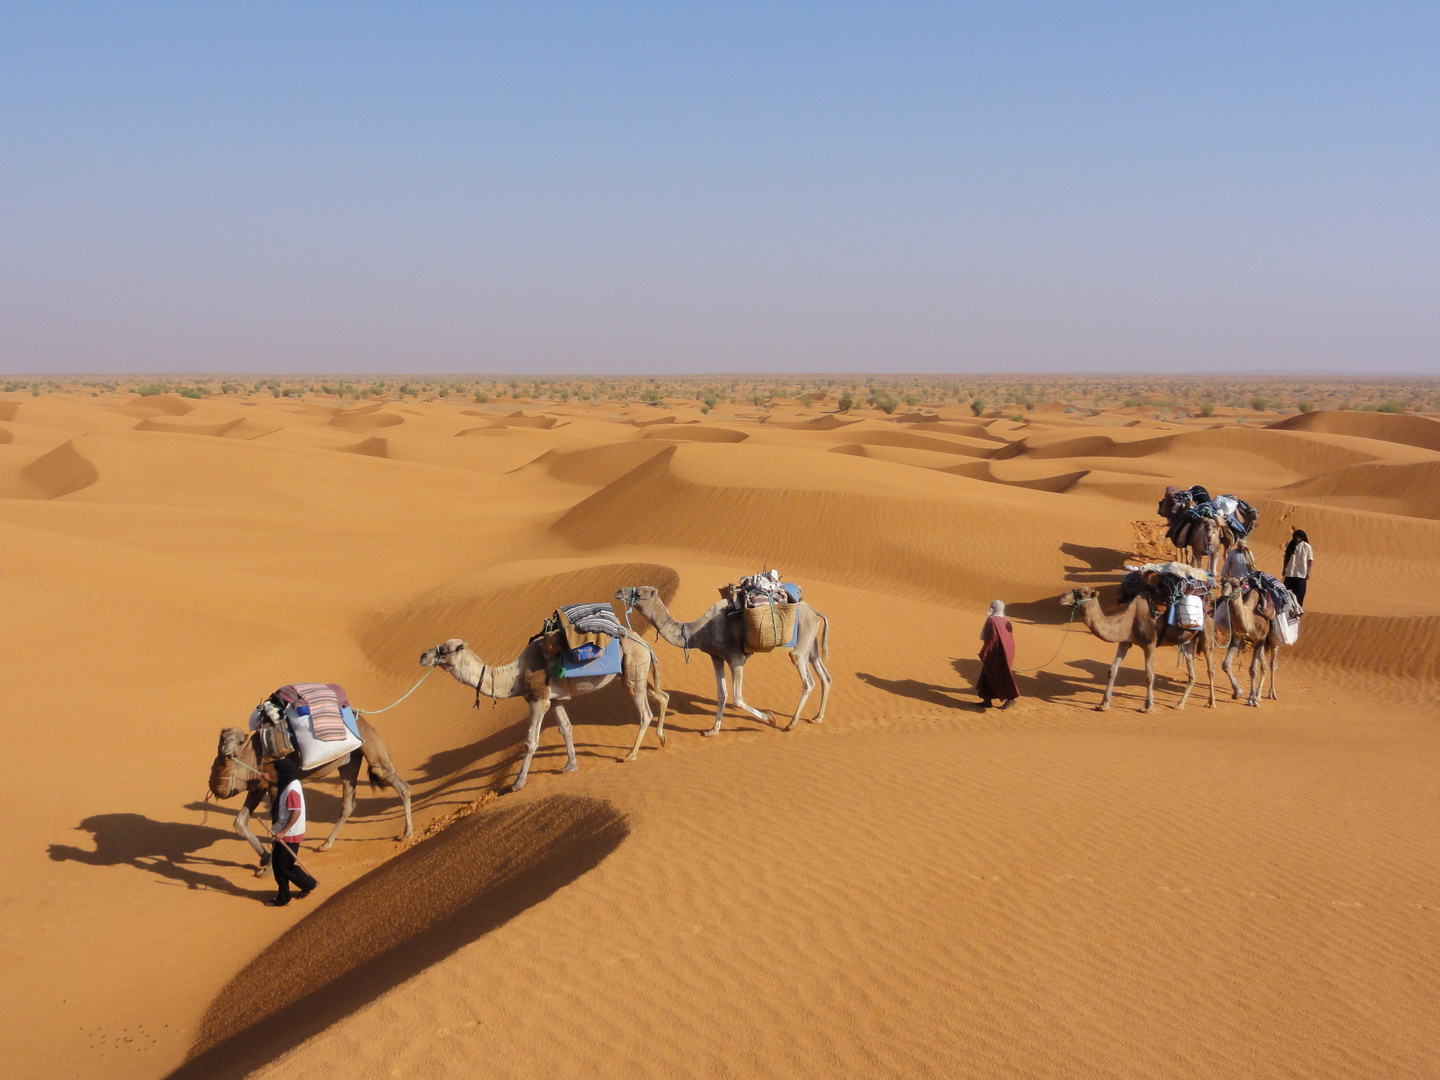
(538, 709)
(737, 679)
(1227, 669)
(1257, 674)
(642, 706)
(378, 759)
(1274, 666)
(568, 734)
(349, 773)
(825, 681)
(1149, 679)
(252, 800)
(1120, 652)
(1188, 655)
(807, 684)
(719, 697)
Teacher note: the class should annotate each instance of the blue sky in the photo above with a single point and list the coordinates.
(421, 187)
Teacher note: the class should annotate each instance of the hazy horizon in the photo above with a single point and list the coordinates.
(575, 191)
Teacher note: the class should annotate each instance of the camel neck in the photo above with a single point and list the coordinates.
(667, 626)
(502, 681)
(1112, 628)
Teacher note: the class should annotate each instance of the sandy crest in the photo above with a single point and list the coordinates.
(912, 888)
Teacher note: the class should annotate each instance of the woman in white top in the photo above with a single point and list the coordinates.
(1298, 557)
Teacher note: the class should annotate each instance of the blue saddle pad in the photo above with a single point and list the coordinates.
(607, 663)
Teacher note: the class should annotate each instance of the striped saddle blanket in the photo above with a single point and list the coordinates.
(323, 703)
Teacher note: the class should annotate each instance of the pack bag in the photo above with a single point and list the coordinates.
(582, 639)
(315, 716)
(1188, 613)
(1287, 628)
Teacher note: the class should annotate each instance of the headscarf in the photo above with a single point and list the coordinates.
(997, 609)
(285, 771)
(1297, 538)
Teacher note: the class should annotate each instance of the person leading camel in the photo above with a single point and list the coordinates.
(997, 653)
(287, 817)
(1239, 563)
(1298, 557)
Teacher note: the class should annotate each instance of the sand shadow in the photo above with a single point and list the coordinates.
(930, 693)
(393, 923)
(163, 848)
(1093, 565)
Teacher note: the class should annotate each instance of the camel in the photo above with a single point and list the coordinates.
(530, 676)
(1135, 624)
(1207, 539)
(1248, 627)
(723, 640)
(237, 768)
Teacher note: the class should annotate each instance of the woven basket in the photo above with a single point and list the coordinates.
(275, 742)
(769, 626)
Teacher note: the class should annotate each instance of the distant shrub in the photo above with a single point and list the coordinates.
(911, 400)
(1258, 403)
(884, 402)
(274, 391)
(230, 388)
(1207, 407)
(1019, 418)
(481, 397)
(150, 390)
(711, 401)
(191, 392)
(406, 389)
(759, 399)
(1391, 407)
(846, 402)
(704, 410)
(978, 406)
(1306, 406)
(807, 400)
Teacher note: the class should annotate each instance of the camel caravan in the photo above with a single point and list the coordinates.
(310, 730)
(579, 649)
(1178, 603)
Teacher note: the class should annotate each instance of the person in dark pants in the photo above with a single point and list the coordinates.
(287, 816)
(997, 653)
(1298, 557)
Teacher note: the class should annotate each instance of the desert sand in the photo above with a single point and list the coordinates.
(913, 888)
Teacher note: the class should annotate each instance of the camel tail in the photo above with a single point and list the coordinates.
(824, 637)
(377, 781)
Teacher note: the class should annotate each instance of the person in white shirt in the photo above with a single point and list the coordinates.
(1299, 556)
(1239, 563)
(287, 817)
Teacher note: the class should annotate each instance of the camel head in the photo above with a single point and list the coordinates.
(443, 655)
(1229, 587)
(226, 778)
(638, 595)
(1078, 596)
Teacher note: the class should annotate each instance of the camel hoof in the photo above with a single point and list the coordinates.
(1148, 708)
(570, 768)
(710, 733)
(1104, 706)
(516, 786)
(326, 846)
(630, 756)
(1180, 706)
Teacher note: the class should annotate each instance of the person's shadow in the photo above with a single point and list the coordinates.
(164, 848)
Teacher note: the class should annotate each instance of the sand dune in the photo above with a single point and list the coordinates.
(912, 888)
(1411, 430)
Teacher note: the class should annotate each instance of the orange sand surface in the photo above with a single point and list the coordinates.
(913, 888)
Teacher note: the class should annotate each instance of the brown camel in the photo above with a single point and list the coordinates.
(723, 640)
(237, 768)
(531, 676)
(1249, 627)
(1135, 624)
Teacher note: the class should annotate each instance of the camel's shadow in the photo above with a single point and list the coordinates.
(163, 848)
